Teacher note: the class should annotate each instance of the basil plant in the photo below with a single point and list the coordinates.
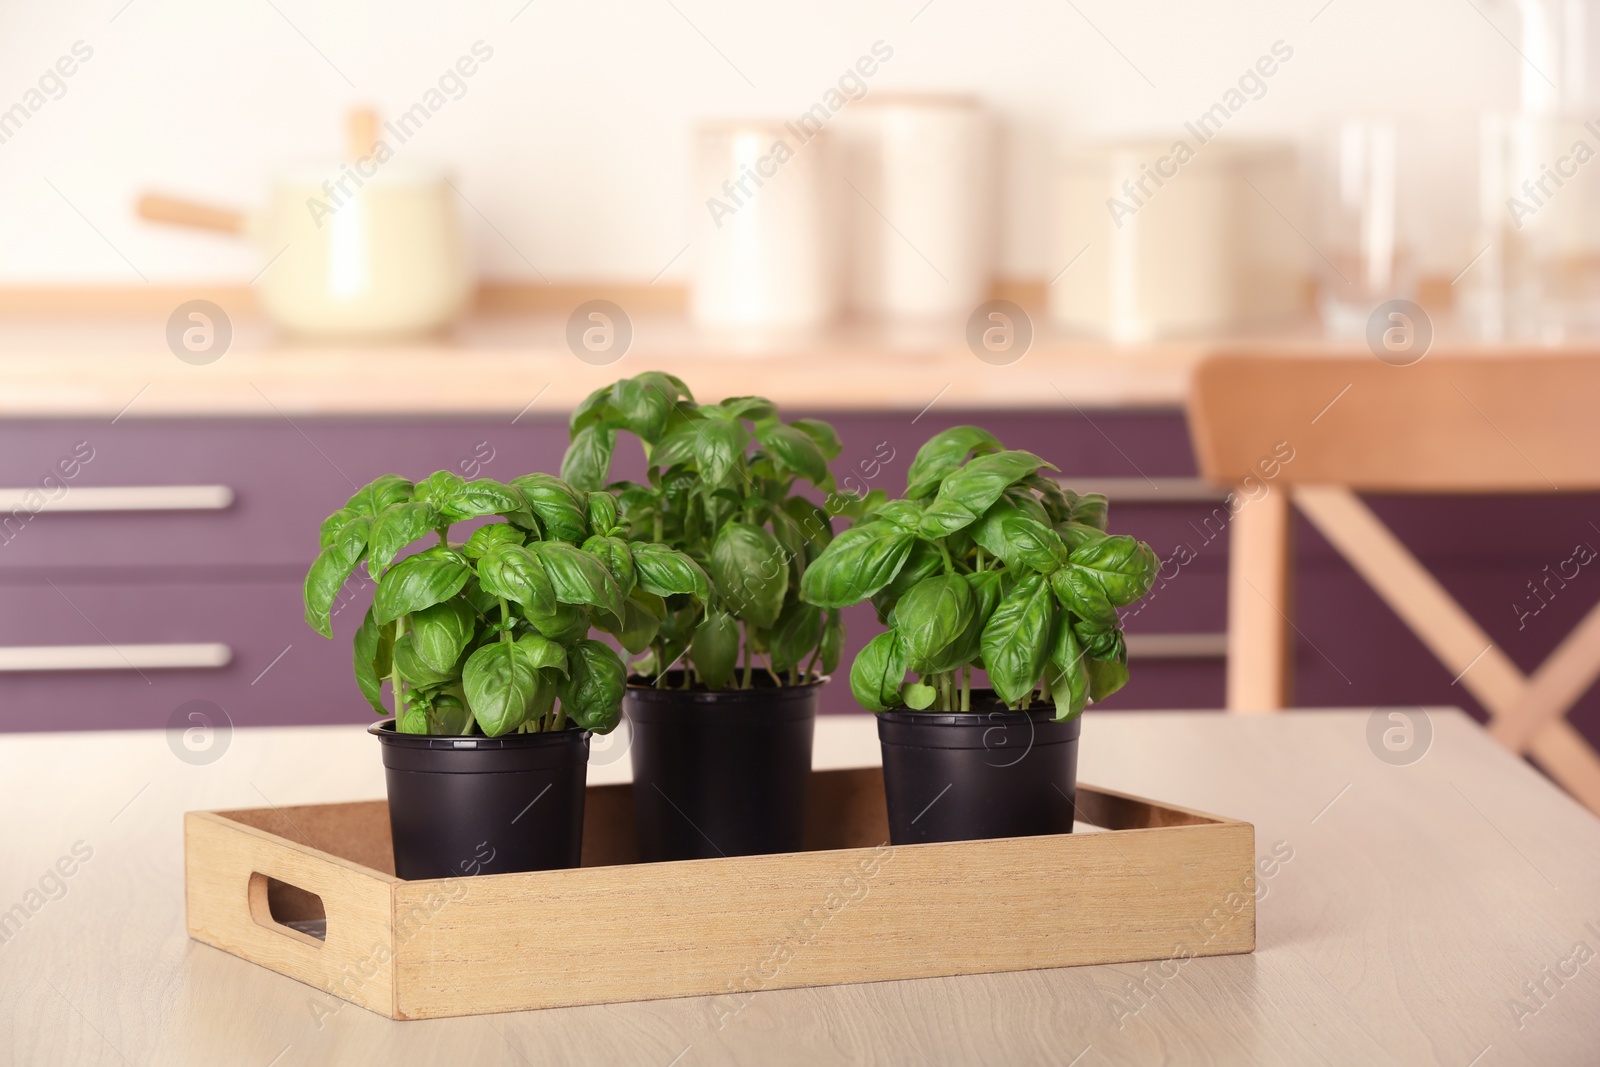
(720, 487)
(986, 563)
(493, 633)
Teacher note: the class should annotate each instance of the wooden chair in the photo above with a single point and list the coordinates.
(1466, 423)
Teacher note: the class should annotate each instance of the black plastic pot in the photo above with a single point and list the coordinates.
(720, 773)
(973, 775)
(484, 805)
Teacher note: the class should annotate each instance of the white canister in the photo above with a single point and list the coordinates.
(764, 251)
(1164, 240)
(920, 204)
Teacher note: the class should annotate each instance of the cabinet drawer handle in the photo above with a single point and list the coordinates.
(1178, 646)
(120, 498)
(113, 657)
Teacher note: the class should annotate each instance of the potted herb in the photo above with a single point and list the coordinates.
(495, 682)
(723, 703)
(985, 564)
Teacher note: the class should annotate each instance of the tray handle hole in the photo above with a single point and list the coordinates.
(288, 909)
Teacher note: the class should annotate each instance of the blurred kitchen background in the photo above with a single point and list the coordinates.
(575, 139)
(194, 290)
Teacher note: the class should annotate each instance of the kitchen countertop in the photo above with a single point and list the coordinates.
(119, 366)
(1404, 911)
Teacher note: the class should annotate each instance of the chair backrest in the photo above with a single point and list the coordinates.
(1451, 423)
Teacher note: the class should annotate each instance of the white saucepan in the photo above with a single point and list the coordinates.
(368, 248)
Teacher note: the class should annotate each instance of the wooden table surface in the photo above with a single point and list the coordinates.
(1406, 911)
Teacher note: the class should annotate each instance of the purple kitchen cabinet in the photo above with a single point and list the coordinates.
(284, 477)
(280, 672)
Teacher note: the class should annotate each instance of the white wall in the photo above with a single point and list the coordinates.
(573, 138)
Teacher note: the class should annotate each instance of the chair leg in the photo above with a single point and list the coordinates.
(1259, 606)
(1558, 684)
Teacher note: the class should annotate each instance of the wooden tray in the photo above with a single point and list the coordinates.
(310, 893)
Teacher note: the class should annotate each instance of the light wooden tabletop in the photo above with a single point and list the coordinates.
(1436, 910)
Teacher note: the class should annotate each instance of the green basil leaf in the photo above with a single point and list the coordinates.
(1106, 677)
(486, 537)
(449, 716)
(642, 405)
(670, 384)
(1019, 540)
(332, 525)
(668, 572)
(795, 450)
(1091, 509)
(561, 511)
(500, 686)
(591, 695)
(593, 411)
(923, 562)
(878, 673)
(545, 687)
(1076, 534)
(1080, 593)
(1122, 566)
(813, 523)
(943, 453)
(1053, 497)
(413, 718)
(441, 633)
(564, 625)
(541, 653)
(1067, 674)
(822, 435)
(397, 526)
(587, 464)
(1026, 503)
(370, 654)
(719, 449)
(751, 572)
(1100, 640)
(617, 557)
(931, 616)
(968, 492)
(637, 506)
(858, 563)
(329, 571)
(482, 496)
(832, 644)
(988, 587)
(513, 572)
(418, 582)
(578, 577)
(920, 695)
(901, 513)
(754, 408)
(1016, 641)
(651, 602)
(715, 649)
(438, 487)
(795, 636)
(677, 445)
(793, 542)
(602, 508)
(635, 630)
(413, 668)
(484, 603)
(378, 494)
